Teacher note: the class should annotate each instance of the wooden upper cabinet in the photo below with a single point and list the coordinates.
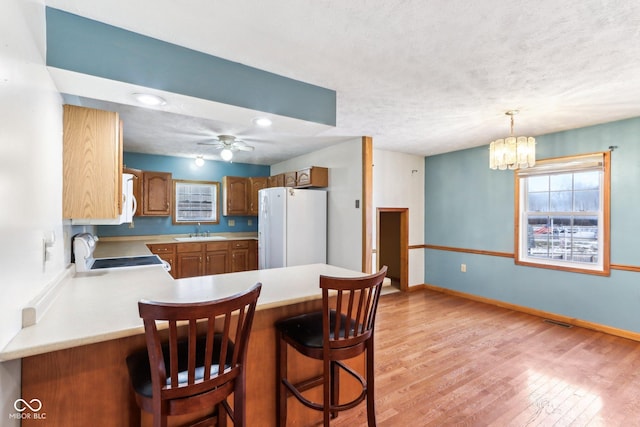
(235, 194)
(137, 188)
(91, 163)
(256, 184)
(290, 179)
(312, 177)
(276, 180)
(156, 194)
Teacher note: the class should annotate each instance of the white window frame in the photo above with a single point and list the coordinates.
(594, 161)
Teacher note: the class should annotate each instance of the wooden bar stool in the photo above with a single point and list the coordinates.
(194, 372)
(342, 330)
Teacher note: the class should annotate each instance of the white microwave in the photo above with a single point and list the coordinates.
(129, 205)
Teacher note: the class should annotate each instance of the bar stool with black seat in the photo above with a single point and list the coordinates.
(343, 329)
(202, 362)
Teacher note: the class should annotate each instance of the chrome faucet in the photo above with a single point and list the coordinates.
(197, 229)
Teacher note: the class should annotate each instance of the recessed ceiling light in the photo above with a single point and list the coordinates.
(262, 121)
(149, 99)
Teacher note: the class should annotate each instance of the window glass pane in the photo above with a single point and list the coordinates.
(587, 180)
(538, 202)
(561, 201)
(563, 238)
(561, 182)
(582, 241)
(588, 200)
(538, 183)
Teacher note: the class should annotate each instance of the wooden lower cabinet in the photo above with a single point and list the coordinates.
(166, 252)
(190, 259)
(216, 258)
(204, 259)
(239, 256)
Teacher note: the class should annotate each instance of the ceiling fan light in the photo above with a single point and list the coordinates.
(226, 154)
(199, 161)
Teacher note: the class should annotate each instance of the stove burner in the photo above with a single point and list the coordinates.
(125, 262)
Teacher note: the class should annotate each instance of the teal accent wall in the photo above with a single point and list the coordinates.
(185, 168)
(90, 47)
(469, 206)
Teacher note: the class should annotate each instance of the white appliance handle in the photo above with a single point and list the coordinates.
(134, 206)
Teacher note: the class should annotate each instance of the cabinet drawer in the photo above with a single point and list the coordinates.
(162, 248)
(189, 247)
(240, 244)
(217, 246)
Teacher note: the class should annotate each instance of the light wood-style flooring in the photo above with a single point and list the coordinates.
(447, 361)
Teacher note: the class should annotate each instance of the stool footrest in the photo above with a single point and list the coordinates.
(297, 390)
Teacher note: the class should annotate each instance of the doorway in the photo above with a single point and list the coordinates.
(393, 245)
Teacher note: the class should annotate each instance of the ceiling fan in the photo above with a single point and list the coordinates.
(228, 144)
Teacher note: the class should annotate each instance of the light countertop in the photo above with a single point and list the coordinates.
(98, 306)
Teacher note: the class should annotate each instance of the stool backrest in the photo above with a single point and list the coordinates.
(356, 299)
(217, 334)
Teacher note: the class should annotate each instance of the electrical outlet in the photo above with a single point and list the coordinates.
(249, 222)
(232, 223)
(463, 268)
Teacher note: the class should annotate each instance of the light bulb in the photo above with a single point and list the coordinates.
(149, 99)
(262, 121)
(199, 161)
(226, 154)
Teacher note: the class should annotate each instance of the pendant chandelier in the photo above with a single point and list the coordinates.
(512, 152)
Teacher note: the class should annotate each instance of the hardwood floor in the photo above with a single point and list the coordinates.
(447, 361)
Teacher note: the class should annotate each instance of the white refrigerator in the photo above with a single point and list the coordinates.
(292, 227)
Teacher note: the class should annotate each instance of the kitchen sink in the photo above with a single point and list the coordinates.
(198, 238)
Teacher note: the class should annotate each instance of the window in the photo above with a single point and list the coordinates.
(195, 201)
(562, 214)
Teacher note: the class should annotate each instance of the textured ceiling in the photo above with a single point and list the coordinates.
(419, 76)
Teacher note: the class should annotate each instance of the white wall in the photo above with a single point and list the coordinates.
(398, 182)
(344, 220)
(30, 176)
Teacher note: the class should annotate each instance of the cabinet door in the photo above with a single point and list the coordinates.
(189, 264)
(91, 163)
(235, 195)
(253, 254)
(290, 179)
(156, 198)
(239, 255)
(276, 180)
(256, 184)
(216, 258)
(171, 260)
(137, 188)
(216, 262)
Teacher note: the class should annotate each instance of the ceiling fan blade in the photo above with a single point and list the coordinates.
(243, 147)
(214, 144)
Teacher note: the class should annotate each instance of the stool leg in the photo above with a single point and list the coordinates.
(222, 415)
(327, 389)
(281, 389)
(335, 387)
(371, 401)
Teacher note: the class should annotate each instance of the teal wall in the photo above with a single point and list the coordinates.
(185, 168)
(469, 206)
(89, 47)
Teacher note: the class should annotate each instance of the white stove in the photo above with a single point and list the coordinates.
(85, 243)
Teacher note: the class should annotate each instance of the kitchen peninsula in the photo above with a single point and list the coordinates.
(73, 357)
